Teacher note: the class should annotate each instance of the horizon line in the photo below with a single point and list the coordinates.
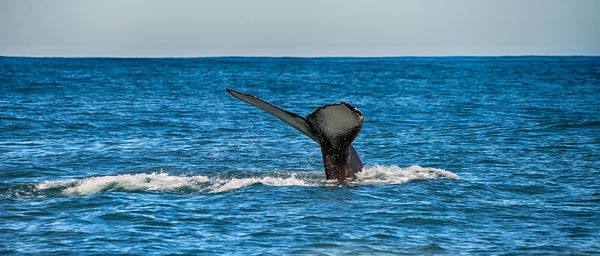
(295, 57)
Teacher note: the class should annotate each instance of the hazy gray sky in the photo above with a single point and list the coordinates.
(299, 28)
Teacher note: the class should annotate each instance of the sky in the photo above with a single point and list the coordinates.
(305, 28)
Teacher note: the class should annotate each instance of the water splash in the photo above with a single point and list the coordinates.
(377, 174)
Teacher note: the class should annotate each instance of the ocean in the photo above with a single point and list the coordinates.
(151, 156)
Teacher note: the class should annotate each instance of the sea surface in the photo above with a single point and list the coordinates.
(463, 156)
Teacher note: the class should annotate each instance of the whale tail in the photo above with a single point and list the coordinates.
(333, 126)
(336, 126)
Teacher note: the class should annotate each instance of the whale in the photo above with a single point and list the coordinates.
(334, 127)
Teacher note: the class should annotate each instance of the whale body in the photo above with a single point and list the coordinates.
(333, 126)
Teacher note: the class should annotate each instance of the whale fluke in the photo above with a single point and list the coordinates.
(290, 118)
(333, 126)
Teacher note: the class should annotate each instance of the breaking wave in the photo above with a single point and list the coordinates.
(378, 174)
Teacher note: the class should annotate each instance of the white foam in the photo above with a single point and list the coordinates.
(391, 174)
(377, 174)
(234, 183)
(125, 182)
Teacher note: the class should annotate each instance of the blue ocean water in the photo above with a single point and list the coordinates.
(464, 155)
